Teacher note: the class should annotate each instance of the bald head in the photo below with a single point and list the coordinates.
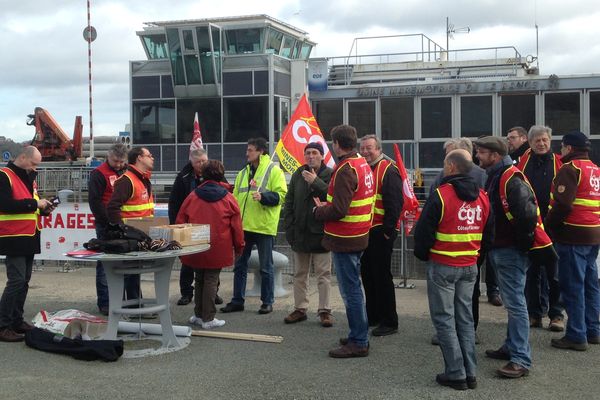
(29, 159)
(458, 161)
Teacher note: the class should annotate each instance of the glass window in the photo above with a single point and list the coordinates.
(183, 153)
(206, 55)
(328, 113)
(245, 118)
(188, 40)
(274, 40)
(156, 153)
(562, 112)
(156, 46)
(436, 117)
(192, 70)
(595, 152)
(475, 116)
(175, 56)
(168, 158)
(167, 86)
(145, 87)
(261, 82)
(407, 151)
(297, 49)
(361, 115)
(282, 84)
(431, 154)
(306, 49)
(397, 119)
(216, 40)
(209, 118)
(154, 122)
(288, 45)
(244, 41)
(518, 110)
(237, 83)
(594, 113)
(234, 156)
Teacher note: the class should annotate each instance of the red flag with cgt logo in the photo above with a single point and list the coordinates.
(301, 130)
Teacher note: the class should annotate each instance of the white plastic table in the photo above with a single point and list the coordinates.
(141, 262)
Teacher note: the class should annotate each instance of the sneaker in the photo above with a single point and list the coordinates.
(557, 325)
(184, 300)
(295, 316)
(196, 320)
(215, 323)
(326, 319)
(564, 343)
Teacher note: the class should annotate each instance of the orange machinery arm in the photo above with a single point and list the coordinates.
(50, 139)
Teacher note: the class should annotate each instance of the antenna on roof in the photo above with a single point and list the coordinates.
(450, 30)
(537, 36)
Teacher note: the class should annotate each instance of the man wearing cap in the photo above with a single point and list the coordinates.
(515, 210)
(376, 261)
(574, 223)
(304, 234)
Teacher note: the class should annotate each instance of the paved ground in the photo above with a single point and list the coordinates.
(401, 366)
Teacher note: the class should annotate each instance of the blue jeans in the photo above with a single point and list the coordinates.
(511, 267)
(347, 269)
(579, 288)
(132, 282)
(450, 294)
(264, 243)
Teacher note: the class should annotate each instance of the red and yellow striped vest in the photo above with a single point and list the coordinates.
(141, 203)
(25, 224)
(379, 173)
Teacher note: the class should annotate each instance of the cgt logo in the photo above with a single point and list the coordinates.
(595, 182)
(469, 214)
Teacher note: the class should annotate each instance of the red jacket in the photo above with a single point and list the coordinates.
(212, 204)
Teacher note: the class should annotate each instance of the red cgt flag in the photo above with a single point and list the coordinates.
(301, 130)
(410, 210)
(197, 137)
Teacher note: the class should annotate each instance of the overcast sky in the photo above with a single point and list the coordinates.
(43, 59)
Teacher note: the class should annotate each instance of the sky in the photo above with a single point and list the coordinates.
(43, 56)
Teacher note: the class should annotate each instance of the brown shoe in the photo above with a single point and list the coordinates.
(23, 327)
(500, 354)
(512, 370)
(349, 350)
(557, 325)
(8, 335)
(295, 316)
(535, 322)
(564, 343)
(326, 319)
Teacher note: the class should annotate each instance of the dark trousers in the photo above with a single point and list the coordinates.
(477, 293)
(543, 291)
(491, 282)
(207, 281)
(18, 274)
(186, 281)
(376, 274)
(132, 282)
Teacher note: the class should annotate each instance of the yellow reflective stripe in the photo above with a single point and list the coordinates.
(509, 216)
(455, 253)
(137, 207)
(378, 196)
(356, 218)
(581, 225)
(586, 202)
(329, 198)
(364, 202)
(458, 237)
(18, 217)
(379, 211)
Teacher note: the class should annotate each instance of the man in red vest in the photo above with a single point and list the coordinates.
(376, 261)
(449, 235)
(20, 208)
(100, 189)
(515, 214)
(132, 199)
(574, 222)
(347, 217)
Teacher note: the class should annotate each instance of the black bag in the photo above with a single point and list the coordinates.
(114, 246)
(89, 350)
(122, 231)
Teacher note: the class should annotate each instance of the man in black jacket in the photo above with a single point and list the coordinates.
(20, 208)
(186, 181)
(376, 261)
(516, 138)
(514, 209)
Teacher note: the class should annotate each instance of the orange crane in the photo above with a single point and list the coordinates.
(51, 140)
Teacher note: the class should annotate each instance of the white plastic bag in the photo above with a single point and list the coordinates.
(71, 323)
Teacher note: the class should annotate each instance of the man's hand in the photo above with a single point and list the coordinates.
(309, 176)
(318, 202)
(256, 196)
(44, 204)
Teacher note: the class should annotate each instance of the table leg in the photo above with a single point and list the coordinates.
(161, 286)
(115, 299)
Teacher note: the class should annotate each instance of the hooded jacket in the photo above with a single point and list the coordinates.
(211, 203)
(466, 189)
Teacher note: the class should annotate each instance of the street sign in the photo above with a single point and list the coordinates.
(89, 34)
(6, 155)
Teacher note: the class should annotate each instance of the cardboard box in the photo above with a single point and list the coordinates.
(185, 234)
(145, 223)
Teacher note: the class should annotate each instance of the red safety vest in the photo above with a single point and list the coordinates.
(141, 203)
(25, 224)
(110, 176)
(459, 232)
(540, 238)
(378, 210)
(357, 221)
(586, 206)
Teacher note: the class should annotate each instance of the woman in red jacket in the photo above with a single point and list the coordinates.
(211, 203)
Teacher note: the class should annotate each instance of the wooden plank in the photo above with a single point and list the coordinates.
(239, 336)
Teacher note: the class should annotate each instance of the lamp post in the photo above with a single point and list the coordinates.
(89, 35)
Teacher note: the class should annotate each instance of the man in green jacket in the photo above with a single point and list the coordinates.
(304, 233)
(260, 190)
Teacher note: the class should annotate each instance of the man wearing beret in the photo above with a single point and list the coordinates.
(515, 212)
(574, 223)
